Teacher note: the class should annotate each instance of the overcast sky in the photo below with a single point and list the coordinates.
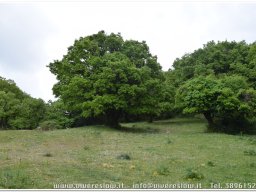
(33, 34)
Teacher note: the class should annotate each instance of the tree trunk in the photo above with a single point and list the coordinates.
(112, 119)
(208, 117)
(3, 123)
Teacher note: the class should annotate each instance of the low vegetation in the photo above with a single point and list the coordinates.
(98, 154)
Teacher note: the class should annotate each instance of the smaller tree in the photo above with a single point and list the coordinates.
(28, 114)
(17, 109)
(226, 100)
(199, 95)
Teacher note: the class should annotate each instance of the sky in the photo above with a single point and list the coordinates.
(35, 33)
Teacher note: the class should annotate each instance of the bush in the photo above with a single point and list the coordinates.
(56, 111)
(49, 125)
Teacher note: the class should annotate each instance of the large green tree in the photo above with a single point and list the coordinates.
(104, 75)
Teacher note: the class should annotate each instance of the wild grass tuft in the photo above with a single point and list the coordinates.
(163, 169)
(86, 148)
(211, 164)
(193, 174)
(168, 141)
(48, 154)
(124, 157)
(250, 152)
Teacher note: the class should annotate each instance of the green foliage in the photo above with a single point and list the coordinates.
(8, 106)
(226, 100)
(49, 125)
(8, 85)
(57, 112)
(218, 81)
(103, 75)
(30, 113)
(17, 109)
(198, 95)
(167, 97)
(218, 58)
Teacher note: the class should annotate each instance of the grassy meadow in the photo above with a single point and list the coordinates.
(172, 151)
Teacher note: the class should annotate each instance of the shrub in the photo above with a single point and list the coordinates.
(56, 111)
(49, 125)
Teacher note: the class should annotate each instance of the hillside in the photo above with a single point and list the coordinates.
(164, 152)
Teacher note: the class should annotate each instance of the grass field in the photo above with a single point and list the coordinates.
(164, 152)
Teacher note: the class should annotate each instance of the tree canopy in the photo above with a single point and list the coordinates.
(105, 75)
(218, 58)
(218, 81)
